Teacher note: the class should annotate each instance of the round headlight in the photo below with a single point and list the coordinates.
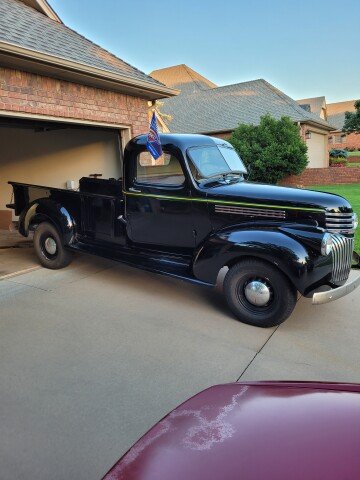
(326, 244)
(355, 221)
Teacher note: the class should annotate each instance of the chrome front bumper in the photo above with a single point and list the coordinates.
(330, 295)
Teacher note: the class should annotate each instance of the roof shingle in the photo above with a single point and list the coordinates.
(223, 108)
(336, 112)
(25, 27)
(183, 78)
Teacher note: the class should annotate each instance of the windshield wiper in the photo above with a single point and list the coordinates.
(222, 176)
(233, 172)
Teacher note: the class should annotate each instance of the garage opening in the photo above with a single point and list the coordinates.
(55, 154)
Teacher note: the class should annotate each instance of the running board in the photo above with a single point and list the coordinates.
(171, 265)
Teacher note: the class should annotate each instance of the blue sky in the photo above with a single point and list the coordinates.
(306, 48)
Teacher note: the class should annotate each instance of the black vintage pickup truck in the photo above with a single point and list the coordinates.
(190, 213)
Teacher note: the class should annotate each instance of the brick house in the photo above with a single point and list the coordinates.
(336, 115)
(67, 106)
(203, 107)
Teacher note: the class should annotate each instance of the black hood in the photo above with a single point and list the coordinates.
(272, 195)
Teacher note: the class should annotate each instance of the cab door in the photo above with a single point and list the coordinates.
(158, 202)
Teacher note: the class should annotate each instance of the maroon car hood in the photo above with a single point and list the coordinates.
(253, 431)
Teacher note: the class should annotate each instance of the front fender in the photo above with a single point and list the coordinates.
(45, 209)
(303, 266)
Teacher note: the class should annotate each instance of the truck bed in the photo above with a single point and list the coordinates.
(95, 207)
(25, 193)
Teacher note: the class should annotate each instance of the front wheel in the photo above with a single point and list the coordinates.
(49, 247)
(258, 293)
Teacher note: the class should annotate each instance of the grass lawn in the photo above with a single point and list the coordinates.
(355, 164)
(352, 193)
(354, 154)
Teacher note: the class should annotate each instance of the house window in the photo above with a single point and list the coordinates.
(338, 138)
(331, 140)
(166, 170)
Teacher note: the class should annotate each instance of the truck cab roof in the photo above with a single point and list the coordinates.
(182, 141)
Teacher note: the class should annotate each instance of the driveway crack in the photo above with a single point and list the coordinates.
(257, 353)
(27, 285)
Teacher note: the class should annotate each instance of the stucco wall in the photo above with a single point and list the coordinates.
(53, 157)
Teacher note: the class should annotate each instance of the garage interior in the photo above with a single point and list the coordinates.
(54, 154)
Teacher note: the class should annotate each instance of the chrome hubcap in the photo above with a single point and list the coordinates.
(257, 293)
(50, 246)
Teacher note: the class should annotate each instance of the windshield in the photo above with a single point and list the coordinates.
(212, 161)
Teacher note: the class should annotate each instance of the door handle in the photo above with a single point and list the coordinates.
(132, 189)
(122, 219)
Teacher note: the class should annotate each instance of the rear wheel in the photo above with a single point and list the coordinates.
(258, 293)
(49, 247)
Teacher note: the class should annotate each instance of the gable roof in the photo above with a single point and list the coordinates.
(43, 7)
(336, 112)
(182, 78)
(27, 33)
(221, 109)
(316, 104)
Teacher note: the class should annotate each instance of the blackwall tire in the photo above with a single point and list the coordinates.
(280, 294)
(49, 247)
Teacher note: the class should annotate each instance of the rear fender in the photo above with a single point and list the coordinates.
(227, 247)
(46, 210)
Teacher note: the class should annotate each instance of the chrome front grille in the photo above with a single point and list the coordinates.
(250, 212)
(340, 222)
(342, 257)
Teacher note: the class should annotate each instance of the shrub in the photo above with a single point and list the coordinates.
(338, 153)
(338, 162)
(352, 120)
(271, 150)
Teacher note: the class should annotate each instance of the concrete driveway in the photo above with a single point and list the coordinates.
(16, 254)
(93, 355)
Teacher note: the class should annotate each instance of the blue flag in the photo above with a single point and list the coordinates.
(153, 141)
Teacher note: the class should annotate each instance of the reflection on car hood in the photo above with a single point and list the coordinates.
(265, 430)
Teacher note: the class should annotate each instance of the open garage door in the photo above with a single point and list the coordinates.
(54, 154)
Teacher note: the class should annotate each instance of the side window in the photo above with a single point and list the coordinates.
(166, 170)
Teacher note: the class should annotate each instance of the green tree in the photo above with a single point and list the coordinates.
(352, 120)
(271, 150)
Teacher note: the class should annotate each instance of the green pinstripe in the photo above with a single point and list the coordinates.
(222, 202)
